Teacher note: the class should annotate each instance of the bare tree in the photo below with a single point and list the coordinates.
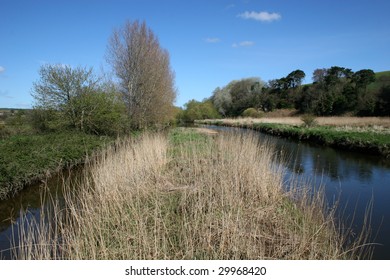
(145, 76)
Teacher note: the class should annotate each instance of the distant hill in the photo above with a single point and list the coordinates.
(382, 74)
(382, 79)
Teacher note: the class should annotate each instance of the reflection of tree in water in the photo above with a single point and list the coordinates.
(29, 201)
(338, 165)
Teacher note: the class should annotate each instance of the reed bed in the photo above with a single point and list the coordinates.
(187, 196)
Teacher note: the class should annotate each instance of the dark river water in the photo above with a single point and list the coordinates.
(29, 202)
(355, 180)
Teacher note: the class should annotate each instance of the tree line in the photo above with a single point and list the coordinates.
(334, 91)
(140, 95)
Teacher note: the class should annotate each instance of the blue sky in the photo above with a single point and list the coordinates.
(210, 42)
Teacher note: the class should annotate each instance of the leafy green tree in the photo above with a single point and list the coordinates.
(101, 113)
(295, 78)
(365, 100)
(232, 99)
(222, 98)
(363, 78)
(195, 110)
(244, 95)
(73, 98)
(319, 75)
(383, 102)
(286, 89)
(59, 86)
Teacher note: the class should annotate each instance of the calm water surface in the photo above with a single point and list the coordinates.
(29, 202)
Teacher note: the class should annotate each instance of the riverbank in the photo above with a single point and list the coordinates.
(25, 159)
(187, 195)
(347, 134)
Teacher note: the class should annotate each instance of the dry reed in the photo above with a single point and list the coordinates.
(202, 198)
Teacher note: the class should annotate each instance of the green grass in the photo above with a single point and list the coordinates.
(26, 158)
(381, 74)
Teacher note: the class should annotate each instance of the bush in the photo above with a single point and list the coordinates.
(47, 120)
(309, 120)
(252, 113)
(100, 113)
(195, 110)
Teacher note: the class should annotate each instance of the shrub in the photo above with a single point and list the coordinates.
(309, 120)
(252, 113)
(101, 113)
(47, 120)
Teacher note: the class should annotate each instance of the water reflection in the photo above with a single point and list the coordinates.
(30, 202)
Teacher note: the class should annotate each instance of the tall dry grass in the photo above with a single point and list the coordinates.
(198, 198)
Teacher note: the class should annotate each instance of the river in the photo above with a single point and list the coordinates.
(355, 180)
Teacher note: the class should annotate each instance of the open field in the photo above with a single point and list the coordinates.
(187, 196)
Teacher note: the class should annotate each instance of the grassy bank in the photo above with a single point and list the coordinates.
(28, 158)
(187, 196)
(369, 139)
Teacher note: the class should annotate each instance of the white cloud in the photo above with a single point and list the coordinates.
(212, 40)
(260, 16)
(243, 44)
(2, 69)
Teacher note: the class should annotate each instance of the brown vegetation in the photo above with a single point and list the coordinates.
(145, 76)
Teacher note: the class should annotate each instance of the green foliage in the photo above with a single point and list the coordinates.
(100, 113)
(15, 121)
(47, 120)
(4, 131)
(338, 90)
(72, 98)
(383, 103)
(252, 113)
(195, 110)
(234, 98)
(28, 157)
